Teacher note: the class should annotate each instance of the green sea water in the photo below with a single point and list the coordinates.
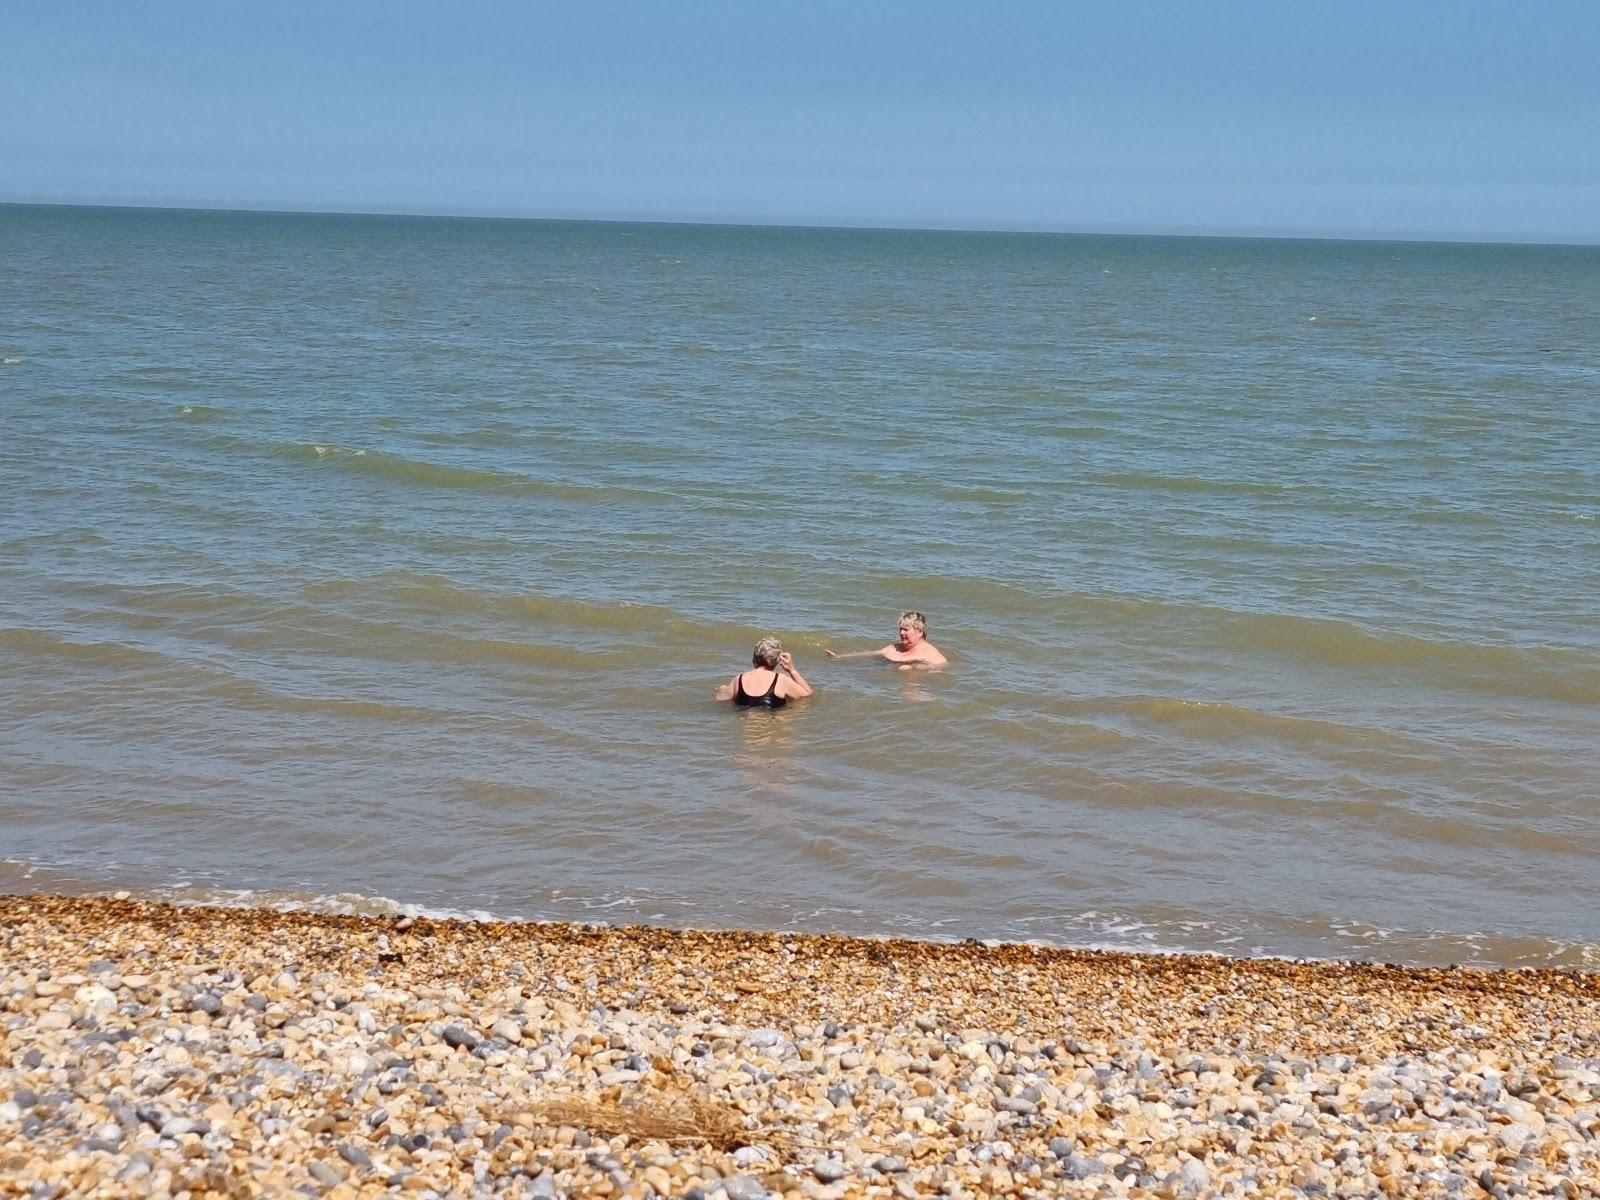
(378, 562)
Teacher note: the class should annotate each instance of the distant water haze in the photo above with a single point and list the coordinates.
(380, 563)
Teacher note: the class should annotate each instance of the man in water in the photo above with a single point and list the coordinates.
(912, 650)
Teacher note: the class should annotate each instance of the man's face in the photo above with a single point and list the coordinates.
(910, 635)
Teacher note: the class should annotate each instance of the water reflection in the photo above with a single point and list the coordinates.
(766, 753)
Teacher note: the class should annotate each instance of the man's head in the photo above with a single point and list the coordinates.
(766, 653)
(913, 629)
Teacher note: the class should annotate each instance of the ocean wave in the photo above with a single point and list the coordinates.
(102, 653)
(1568, 675)
(1191, 483)
(1225, 720)
(441, 595)
(57, 539)
(1564, 674)
(421, 473)
(1161, 931)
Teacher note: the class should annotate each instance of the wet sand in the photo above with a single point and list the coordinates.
(155, 1051)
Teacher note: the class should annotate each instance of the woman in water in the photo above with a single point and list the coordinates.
(771, 682)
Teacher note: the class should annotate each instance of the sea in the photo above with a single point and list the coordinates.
(389, 564)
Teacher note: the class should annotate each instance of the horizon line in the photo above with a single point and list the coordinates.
(841, 224)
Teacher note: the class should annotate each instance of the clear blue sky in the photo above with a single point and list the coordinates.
(1407, 117)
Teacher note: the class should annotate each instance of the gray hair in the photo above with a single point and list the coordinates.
(766, 653)
(914, 619)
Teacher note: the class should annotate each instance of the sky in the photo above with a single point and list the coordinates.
(1454, 119)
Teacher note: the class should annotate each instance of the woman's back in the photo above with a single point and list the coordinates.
(760, 687)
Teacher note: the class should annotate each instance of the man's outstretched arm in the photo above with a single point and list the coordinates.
(879, 653)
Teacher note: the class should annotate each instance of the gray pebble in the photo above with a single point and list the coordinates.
(828, 1170)
(1194, 1175)
(458, 1038)
(889, 1164)
(323, 1173)
(542, 1187)
(1062, 1147)
(207, 1003)
(354, 1155)
(1075, 1166)
(744, 1187)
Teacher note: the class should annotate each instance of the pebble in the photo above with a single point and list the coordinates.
(829, 1170)
(323, 1173)
(354, 1155)
(744, 1187)
(1194, 1175)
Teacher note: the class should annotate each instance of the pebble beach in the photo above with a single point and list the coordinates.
(154, 1051)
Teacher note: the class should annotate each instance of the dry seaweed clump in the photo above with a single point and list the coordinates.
(153, 1051)
(678, 1120)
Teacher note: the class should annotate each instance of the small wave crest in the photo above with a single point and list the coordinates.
(441, 595)
(1562, 674)
(421, 473)
(41, 643)
(1221, 718)
(1165, 932)
(1191, 483)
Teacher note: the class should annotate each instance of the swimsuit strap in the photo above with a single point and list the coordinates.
(773, 690)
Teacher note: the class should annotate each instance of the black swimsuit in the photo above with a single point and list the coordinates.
(768, 699)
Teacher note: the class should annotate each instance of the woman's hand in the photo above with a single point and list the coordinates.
(786, 661)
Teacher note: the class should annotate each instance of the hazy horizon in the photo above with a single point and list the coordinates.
(1365, 121)
(1397, 236)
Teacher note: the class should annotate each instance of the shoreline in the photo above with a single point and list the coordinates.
(151, 1049)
